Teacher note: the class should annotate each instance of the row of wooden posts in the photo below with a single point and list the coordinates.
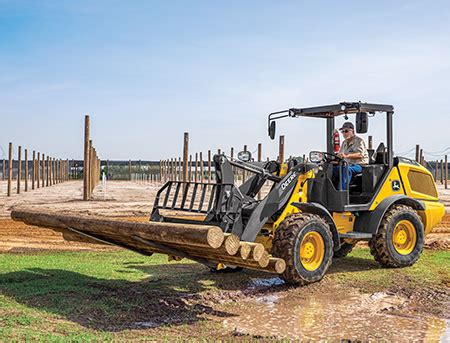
(91, 164)
(45, 171)
(440, 169)
(201, 169)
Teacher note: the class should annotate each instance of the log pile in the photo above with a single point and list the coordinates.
(202, 243)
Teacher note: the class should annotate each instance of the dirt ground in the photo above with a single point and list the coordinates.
(282, 311)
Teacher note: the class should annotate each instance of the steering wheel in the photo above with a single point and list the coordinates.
(330, 158)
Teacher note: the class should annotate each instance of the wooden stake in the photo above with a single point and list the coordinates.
(19, 168)
(417, 153)
(201, 168)
(259, 160)
(87, 134)
(26, 170)
(38, 170)
(446, 172)
(370, 140)
(281, 150)
(185, 156)
(33, 174)
(195, 167)
(4, 170)
(209, 166)
(10, 161)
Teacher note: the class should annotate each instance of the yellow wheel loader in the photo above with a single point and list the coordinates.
(305, 220)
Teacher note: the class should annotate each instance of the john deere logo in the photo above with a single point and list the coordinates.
(396, 185)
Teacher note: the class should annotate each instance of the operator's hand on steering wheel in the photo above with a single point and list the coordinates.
(342, 155)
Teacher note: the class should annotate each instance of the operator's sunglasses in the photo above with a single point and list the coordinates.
(345, 131)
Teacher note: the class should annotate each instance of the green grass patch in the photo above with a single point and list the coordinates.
(103, 296)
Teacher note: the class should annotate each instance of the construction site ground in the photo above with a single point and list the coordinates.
(51, 289)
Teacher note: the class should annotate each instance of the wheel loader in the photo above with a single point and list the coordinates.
(306, 219)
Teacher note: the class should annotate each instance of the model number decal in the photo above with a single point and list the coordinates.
(288, 181)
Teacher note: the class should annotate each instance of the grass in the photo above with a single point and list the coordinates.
(90, 296)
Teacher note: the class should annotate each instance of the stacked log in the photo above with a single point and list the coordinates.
(202, 243)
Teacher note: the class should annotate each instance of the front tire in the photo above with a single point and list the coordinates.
(305, 242)
(400, 238)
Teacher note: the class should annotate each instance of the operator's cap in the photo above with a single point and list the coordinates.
(347, 125)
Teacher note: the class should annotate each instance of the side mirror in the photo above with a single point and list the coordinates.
(362, 122)
(272, 128)
(316, 156)
(244, 156)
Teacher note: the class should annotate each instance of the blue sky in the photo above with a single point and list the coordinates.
(147, 71)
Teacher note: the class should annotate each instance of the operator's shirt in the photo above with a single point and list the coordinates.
(354, 145)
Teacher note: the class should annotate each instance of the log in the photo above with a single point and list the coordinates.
(251, 250)
(186, 234)
(232, 244)
(264, 260)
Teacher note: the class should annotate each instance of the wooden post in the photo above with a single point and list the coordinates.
(87, 134)
(129, 170)
(281, 150)
(10, 161)
(180, 170)
(436, 166)
(446, 172)
(185, 156)
(190, 168)
(38, 170)
(33, 174)
(43, 170)
(418, 153)
(244, 174)
(47, 171)
(4, 170)
(370, 140)
(201, 167)
(209, 166)
(259, 160)
(26, 170)
(19, 168)
(442, 171)
(195, 167)
(54, 170)
(421, 159)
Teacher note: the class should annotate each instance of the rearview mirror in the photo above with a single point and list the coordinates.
(272, 128)
(316, 156)
(362, 122)
(244, 156)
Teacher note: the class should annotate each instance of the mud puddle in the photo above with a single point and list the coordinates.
(333, 314)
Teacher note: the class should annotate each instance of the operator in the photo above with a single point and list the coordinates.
(354, 151)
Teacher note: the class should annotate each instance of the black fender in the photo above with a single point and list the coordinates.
(369, 221)
(315, 208)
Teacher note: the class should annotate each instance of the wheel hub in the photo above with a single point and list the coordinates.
(404, 237)
(312, 250)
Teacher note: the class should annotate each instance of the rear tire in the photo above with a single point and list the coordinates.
(305, 242)
(400, 238)
(344, 250)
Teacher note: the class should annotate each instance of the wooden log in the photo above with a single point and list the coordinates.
(252, 251)
(232, 244)
(264, 260)
(188, 234)
(10, 166)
